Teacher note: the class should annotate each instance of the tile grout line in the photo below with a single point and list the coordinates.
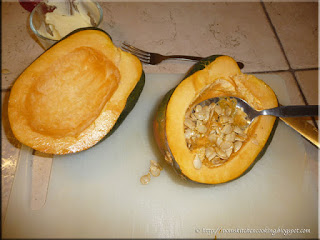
(282, 50)
(291, 70)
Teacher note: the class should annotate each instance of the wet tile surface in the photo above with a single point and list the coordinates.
(308, 81)
(163, 28)
(297, 26)
(19, 47)
(178, 28)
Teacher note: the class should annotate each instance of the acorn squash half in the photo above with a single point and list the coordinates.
(215, 76)
(75, 94)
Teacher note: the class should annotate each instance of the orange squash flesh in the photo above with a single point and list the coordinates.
(71, 96)
(221, 78)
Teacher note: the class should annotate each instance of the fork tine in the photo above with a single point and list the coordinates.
(134, 49)
(144, 61)
(142, 58)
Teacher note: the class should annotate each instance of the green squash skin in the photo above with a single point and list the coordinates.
(201, 65)
(159, 125)
(131, 102)
(262, 152)
(159, 129)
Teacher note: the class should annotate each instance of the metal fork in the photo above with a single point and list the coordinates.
(155, 58)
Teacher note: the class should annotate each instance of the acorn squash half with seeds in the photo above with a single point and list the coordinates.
(214, 144)
(75, 94)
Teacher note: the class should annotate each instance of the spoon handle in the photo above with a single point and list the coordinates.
(293, 111)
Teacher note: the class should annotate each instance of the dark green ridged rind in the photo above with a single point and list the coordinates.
(160, 133)
(201, 65)
(131, 102)
(262, 152)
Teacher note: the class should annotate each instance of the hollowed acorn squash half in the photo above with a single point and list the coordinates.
(74, 94)
(215, 76)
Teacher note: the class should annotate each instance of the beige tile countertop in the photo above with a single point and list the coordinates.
(268, 37)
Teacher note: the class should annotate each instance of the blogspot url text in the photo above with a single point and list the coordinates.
(271, 231)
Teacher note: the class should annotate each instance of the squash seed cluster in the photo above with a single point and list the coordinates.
(154, 170)
(214, 132)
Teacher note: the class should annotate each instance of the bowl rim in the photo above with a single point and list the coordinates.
(35, 31)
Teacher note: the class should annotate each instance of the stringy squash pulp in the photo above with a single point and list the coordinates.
(71, 96)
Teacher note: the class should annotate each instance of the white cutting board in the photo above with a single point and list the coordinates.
(97, 193)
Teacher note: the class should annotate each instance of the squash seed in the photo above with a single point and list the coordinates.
(201, 152)
(238, 130)
(197, 162)
(241, 137)
(198, 108)
(168, 157)
(155, 171)
(201, 128)
(200, 115)
(229, 152)
(218, 109)
(227, 129)
(226, 145)
(145, 179)
(210, 153)
(219, 140)
(189, 123)
(237, 146)
(214, 126)
(188, 133)
(212, 137)
(206, 109)
(228, 111)
(230, 137)
(220, 153)
(154, 163)
(224, 119)
(193, 117)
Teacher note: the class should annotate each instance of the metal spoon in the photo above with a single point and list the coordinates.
(282, 111)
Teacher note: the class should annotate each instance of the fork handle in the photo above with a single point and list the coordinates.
(194, 58)
(184, 57)
(293, 111)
